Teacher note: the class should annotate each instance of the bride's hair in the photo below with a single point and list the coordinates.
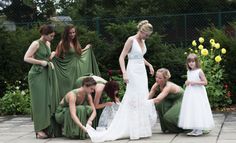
(145, 26)
(110, 88)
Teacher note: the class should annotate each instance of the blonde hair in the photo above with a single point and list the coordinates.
(145, 26)
(165, 72)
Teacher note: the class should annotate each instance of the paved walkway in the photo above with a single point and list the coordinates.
(19, 129)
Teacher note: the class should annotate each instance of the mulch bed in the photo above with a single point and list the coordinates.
(231, 108)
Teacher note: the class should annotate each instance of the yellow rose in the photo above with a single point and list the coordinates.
(212, 41)
(223, 50)
(217, 45)
(185, 53)
(201, 40)
(218, 59)
(190, 49)
(194, 43)
(200, 47)
(204, 52)
(196, 51)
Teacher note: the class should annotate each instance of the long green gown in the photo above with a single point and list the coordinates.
(72, 66)
(63, 117)
(168, 111)
(102, 100)
(44, 91)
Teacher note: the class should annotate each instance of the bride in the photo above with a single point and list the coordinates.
(136, 114)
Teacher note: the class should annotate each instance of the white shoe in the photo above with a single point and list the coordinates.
(195, 133)
(190, 133)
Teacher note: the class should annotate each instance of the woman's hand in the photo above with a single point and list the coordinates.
(125, 78)
(108, 103)
(44, 63)
(87, 47)
(89, 122)
(151, 70)
(52, 55)
(84, 128)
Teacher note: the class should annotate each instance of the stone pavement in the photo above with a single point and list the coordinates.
(19, 129)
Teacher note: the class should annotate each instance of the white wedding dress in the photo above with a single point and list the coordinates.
(136, 114)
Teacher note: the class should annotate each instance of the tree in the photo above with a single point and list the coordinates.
(17, 11)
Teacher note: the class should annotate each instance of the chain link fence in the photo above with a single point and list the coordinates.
(177, 29)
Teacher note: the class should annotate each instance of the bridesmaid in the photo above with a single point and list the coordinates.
(76, 110)
(71, 61)
(103, 88)
(42, 82)
(167, 97)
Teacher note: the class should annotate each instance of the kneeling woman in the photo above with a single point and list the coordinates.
(168, 98)
(77, 109)
(106, 109)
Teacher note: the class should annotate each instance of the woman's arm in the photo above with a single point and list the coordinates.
(86, 48)
(163, 94)
(152, 91)
(123, 54)
(98, 94)
(29, 55)
(59, 49)
(93, 115)
(72, 107)
(52, 53)
(150, 67)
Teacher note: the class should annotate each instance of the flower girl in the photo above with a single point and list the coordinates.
(195, 110)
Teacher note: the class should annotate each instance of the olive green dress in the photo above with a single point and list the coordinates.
(43, 90)
(168, 111)
(102, 100)
(72, 66)
(63, 117)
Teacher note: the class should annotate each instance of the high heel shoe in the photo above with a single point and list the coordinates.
(41, 135)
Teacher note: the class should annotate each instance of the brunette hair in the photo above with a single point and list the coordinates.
(110, 88)
(192, 57)
(88, 81)
(46, 29)
(64, 45)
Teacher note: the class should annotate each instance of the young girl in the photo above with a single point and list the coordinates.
(195, 110)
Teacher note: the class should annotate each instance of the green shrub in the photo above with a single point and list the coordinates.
(229, 43)
(117, 76)
(15, 101)
(166, 56)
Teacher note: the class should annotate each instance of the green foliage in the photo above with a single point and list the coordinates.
(15, 100)
(229, 43)
(122, 8)
(165, 56)
(210, 55)
(17, 11)
(13, 45)
(117, 76)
